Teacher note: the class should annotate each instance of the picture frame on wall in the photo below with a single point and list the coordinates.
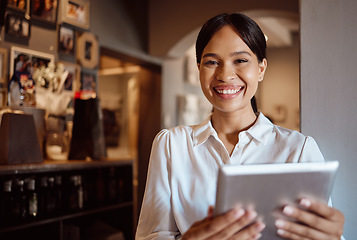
(66, 40)
(88, 81)
(76, 13)
(45, 11)
(72, 83)
(18, 5)
(30, 60)
(17, 26)
(87, 50)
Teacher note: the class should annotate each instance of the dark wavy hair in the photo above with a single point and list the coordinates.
(247, 30)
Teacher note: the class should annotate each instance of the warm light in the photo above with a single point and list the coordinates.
(266, 37)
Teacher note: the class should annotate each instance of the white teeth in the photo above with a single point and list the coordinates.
(228, 91)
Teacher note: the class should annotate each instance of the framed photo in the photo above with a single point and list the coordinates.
(45, 10)
(76, 12)
(88, 81)
(87, 50)
(17, 25)
(25, 60)
(3, 68)
(72, 83)
(66, 40)
(18, 5)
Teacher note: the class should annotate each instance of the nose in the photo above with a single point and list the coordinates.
(225, 73)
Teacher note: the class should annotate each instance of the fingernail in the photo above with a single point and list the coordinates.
(281, 232)
(279, 223)
(305, 202)
(259, 235)
(238, 213)
(252, 215)
(260, 226)
(288, 210)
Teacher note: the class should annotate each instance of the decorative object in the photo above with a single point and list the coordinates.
(18, 5)
(72, 82)
(49, 89)
(66, 40)
(45, 11)
(27, 59)
(76, 12)
(17, 25)
(18, 139)
(87, 50)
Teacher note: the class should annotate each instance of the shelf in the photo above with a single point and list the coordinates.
(99, 203)
(67, 165)
(65, 217)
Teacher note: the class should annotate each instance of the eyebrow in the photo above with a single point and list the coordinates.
(231, 55)
(239, 53)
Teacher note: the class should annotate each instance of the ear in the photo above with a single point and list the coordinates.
(262, 67)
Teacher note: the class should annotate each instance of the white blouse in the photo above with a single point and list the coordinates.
(183, 168)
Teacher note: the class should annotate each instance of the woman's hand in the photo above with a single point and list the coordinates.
(318, 221)
(231, 225)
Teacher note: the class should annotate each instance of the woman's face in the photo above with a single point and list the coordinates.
(229, 72)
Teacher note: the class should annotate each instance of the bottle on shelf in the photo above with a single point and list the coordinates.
(32, 198)
(51, 204)
(20, 201)
(42, 197)
(76, 193)
(7, 201)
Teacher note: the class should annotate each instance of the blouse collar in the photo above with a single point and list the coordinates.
(260, 131)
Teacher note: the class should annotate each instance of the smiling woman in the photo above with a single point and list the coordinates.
(184, 160)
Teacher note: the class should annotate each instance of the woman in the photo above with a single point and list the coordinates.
(184, 161)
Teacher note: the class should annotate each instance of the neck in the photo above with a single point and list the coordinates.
(232, 123)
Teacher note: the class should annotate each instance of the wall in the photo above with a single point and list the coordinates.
(115, 27)
(328, 92)
(280, 86)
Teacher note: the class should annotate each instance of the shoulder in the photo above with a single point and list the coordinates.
(286, 134)
(174, 134)
(307, 147)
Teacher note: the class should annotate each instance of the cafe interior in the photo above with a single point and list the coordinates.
(98, 80)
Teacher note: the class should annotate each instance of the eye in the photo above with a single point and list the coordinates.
(211, 62)
(241, 60)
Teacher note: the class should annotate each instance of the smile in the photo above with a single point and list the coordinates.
(228, 91)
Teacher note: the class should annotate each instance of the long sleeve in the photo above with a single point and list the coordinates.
(156, 219)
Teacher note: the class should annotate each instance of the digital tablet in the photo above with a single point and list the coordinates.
(268, 187)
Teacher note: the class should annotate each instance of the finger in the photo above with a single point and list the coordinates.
(293, 230)
(315, 220)
(239, 228)
(229, 230)
(322, 209)
(211, 226)
(253, 231)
